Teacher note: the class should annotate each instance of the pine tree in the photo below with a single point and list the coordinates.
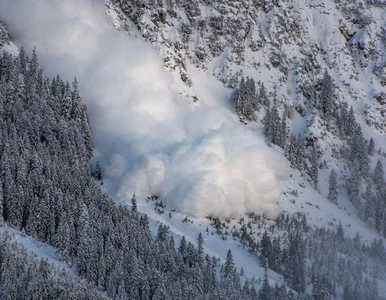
(245, 100)
(354, 183)
(63, 240)
(276, 126)
(371, 148)
(86, 132)
(283, 131)
(295, 268)
(340, 232)
(84, 242)
(300, 153)
(1, 203)
(378, 176)
(343, 119)
(182, 249)
(265, 291)
(250, 104)
(290, 150)
(134, 208)
(162, 233)
(240, 98)
(350, 123)
(314, 167)
(76, 101)
(265, 250)
(326, 99)
(229, 265)
(31, 77)
(263, 98)
(379, 207)
(98, 173)
(358, 152)
(272, 126)
(66, 102)
(200, 249)
(333, 188)
(267, 124)
(275, 255)
(23, 61)
(370, 206)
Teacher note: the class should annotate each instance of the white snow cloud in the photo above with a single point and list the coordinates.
(196, 158)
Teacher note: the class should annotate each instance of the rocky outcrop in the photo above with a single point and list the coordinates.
(285, 44)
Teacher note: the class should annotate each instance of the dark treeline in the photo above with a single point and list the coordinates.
(47, 190)
(23, 276)
(316, 263)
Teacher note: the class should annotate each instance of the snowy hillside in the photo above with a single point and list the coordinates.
(286, 46)
(260, 125)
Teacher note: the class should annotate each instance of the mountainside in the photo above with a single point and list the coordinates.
(290, 48)
(285, 44)
(265, 135)
(300, 53)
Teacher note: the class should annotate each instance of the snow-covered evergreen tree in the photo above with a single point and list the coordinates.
(265, 291)
(98, 172)
(333, 188)
(229, 266)
(371, 148)
(314, 167)
(326, 98)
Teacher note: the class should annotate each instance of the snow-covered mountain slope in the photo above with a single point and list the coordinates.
(286, 45)
(204, 160)
(278, 42)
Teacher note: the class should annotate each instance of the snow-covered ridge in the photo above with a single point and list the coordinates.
(286, 44)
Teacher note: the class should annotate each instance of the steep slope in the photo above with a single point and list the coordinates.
(48, 195)
(287, 46)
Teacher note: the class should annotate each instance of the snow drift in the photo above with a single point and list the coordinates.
(197, 158)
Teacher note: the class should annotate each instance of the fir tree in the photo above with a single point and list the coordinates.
(371, 148)
(200, 248)
(326, 99)
(314, 167)
(263, 98)
(350, 123)
(272, 126)
(353, 184)
(1, 203)
(378, 176)
(84, 242)
(229, 266)
(63, 240)
(98, 173)
(370, 206)
(333, 188)
(134, 204)
(265, 250)
(283, 131)
(265, 291)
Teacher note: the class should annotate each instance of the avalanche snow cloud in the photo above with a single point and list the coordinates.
(197, 158)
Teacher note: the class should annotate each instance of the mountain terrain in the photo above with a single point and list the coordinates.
(287, 97)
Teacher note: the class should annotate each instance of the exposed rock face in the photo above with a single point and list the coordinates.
(285, 44)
